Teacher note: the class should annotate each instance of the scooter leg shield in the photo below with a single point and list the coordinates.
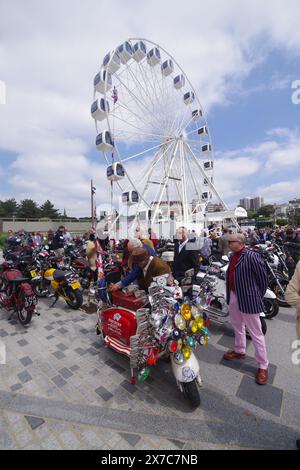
(187, 371)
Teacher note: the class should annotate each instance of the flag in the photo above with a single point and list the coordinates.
(115, 95)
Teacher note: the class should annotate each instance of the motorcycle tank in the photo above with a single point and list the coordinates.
(118, 323)
(49, 274)
(80, 263)
(12, 274)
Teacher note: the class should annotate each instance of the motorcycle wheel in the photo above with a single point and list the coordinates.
(74, 298)
(24, 316)
(191, 392)
(40, 290)
(271, 308)
(279, 296)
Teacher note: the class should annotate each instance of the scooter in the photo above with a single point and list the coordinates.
(146, 329)
(215, 284)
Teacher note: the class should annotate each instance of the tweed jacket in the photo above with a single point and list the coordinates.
(250, 282)
(157, 267)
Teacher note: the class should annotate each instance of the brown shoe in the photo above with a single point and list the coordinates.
(262, 376)
(230, 355)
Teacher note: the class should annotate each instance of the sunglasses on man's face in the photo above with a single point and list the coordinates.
(233, 241)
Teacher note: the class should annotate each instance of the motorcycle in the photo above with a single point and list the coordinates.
(79, 265)
(213, 283)
(16, 294)
(146, 329)
(65, 285)
(277, 282)
(46, 278)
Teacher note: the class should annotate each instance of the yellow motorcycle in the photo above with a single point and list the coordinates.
(66, 285)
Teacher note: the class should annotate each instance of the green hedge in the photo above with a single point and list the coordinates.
(2, 239)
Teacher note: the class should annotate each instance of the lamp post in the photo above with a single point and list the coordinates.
(93, 191)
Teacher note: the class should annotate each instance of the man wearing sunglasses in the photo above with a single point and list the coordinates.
(246, 283)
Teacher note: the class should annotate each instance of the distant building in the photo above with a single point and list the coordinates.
(246, 203)
(257, 203)
(252, 203)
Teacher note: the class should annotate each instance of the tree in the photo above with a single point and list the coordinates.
(28, 209)
(47, 210)
(266, 211)
(8, 208)
(252, 214)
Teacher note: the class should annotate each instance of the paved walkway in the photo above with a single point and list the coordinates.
(62, 389)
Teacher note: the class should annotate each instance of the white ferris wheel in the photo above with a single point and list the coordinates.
(147, 111)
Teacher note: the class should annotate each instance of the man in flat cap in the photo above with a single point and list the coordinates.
(146, 268)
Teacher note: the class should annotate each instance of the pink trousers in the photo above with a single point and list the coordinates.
(239, 322)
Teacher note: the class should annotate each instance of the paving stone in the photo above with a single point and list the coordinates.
(103, 393)
(59, 354)
(59, 381)
(24, 376)
(117, 368)
(251, 370)
(6, 440)
(69, 440)
(92, 352)
(15, 387)
(267, 397)
(63, 331)
(234, 364)
(65, 373)
(132, 439)
(22, 342)
(3, 333)
(178, 444)
(26, 361)
(62, 347)
(84, 331)
(34, 422)
(74, 368)
(49, 327)
(50, 337)
(51, 443)
(128, 386)
(80, 351)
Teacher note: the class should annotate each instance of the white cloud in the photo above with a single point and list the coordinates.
(281, 191)
(51, 50)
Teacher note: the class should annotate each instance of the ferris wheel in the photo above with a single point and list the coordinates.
(148, 116)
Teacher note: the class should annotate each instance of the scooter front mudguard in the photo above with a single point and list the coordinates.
(269, 294)
(187, 371)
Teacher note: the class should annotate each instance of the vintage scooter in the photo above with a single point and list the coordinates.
(162, 325)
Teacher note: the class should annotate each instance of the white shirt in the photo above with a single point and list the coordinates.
(182, 244)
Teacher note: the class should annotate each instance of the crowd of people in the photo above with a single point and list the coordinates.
(246, 278)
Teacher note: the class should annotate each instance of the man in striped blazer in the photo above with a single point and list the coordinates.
(246, 284)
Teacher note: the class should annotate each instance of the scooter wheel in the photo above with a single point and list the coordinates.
(271, 308)
(191, 392)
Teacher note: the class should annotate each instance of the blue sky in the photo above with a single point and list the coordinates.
(241, 62)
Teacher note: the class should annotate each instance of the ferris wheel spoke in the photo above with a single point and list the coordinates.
(141, 86)
(142, 106)
(210, 185)
(134, 126)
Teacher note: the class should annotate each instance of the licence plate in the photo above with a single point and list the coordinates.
(33, 273)
(75, 285)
